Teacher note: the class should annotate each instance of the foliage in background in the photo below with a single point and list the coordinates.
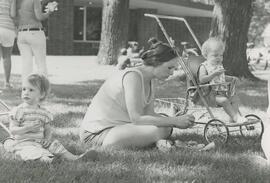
(260, 19)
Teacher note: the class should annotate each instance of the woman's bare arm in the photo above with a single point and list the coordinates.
(13, 9)
(38, 11)
(133, 95)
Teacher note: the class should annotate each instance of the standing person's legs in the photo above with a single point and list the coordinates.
(7, 38)
(266, 135)
(39, 50)
(135, 136)
(265, 143)
(268, 89)
(7, 51)
(26, 53)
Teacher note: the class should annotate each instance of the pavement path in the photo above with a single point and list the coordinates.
(74, 69)
(70, 69)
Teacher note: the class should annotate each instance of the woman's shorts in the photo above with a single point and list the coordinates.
(97, 138)
(7, 37)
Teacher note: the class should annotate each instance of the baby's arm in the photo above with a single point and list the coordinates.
(46, 142)
(47, 132)
(16, 129)
(204, 77)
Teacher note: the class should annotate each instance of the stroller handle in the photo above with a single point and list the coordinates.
(179, 19)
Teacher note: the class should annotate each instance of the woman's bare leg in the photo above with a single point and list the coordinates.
(135, 135)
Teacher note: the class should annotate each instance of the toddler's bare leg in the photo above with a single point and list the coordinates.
(227, 106)
(235, 101)
(58, 149)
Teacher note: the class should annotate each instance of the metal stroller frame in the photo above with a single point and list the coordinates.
(4, 131)
(215, 130)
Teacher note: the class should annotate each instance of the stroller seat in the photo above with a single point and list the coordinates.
(194, 63)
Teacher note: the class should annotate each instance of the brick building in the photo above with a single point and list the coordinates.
(75, 28)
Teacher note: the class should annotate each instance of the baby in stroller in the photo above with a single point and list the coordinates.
(212, 72)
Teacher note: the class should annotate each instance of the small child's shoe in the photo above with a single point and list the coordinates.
(165, 145)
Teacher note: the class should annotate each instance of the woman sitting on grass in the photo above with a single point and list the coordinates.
(122, 112)
(30, 126)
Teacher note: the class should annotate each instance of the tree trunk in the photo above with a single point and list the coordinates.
(231, 22)
(114, 34)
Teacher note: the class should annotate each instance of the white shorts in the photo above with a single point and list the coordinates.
(7, 37)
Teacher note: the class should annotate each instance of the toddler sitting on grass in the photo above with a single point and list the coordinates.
(30, 126)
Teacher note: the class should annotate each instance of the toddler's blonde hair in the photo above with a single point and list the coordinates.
(209, 43)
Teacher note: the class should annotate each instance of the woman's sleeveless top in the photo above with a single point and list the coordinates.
(108, 107)
(5, 20)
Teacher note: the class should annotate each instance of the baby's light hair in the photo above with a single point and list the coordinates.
(41, 82)
(208, 45)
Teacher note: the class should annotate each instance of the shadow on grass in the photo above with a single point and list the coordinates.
(252, 94)
(81, 90)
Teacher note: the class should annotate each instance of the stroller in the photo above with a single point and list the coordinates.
(215, 130)
(4, 131)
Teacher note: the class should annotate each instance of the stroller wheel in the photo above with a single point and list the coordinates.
(216, 131)
(254, 130)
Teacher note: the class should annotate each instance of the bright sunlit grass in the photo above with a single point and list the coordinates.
(229, 163)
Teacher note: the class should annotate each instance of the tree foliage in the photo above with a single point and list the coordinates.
(260, 19)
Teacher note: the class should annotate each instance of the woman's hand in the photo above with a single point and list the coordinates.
(185, 121)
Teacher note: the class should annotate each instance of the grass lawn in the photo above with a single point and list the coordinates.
(229, 163)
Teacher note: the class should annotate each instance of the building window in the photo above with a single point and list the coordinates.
(87, 23)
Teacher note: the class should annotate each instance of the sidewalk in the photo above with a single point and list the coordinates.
(69, 69)
(73, 69)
